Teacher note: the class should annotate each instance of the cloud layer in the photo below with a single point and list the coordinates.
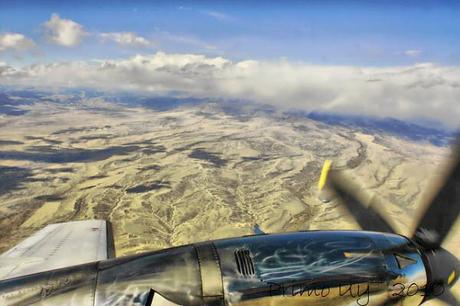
(15, 42)
(64, 32)
(423, 90)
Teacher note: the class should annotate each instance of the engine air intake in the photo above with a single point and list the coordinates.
(244, 262)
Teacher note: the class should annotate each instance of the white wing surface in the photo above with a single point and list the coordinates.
(58, 246)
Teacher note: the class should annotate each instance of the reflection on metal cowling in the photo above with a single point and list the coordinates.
(210, 274)
(319, 268)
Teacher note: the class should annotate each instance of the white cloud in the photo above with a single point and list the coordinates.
(5, 69)
(126, 39)
(413, 53)
(15, 42)
(219, 15)
(64, 32)
(422, 90)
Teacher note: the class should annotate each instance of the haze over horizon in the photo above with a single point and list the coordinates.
(395, 59)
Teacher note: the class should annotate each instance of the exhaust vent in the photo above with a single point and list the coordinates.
(244, 262)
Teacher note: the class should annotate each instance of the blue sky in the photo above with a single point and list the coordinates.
(368, 33)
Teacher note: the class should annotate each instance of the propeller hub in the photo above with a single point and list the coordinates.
(443, 271)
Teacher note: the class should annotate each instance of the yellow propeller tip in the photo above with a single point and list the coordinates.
(324, 173)
(451, 278)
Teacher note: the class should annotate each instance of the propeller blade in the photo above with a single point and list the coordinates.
(449, 298)
(442, 211)
(362, 206)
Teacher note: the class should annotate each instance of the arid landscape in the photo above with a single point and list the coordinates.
(192, 172)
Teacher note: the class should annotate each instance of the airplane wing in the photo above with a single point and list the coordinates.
(57, 246)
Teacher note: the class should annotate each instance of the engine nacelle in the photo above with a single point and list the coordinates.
(302, 268)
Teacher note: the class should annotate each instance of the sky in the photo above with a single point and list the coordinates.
(327, 32)
(333, 55)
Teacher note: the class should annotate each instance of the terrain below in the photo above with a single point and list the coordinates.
(194, 172)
